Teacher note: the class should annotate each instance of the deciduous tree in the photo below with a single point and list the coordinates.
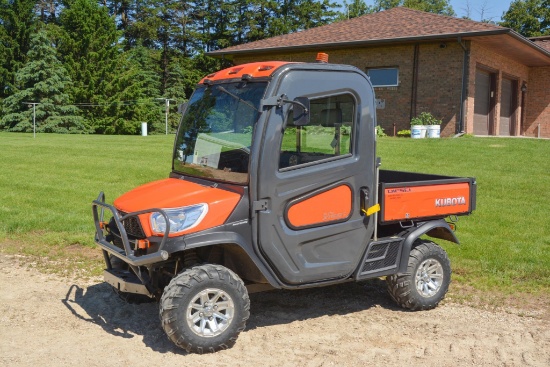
(431, 6)
(355, 8)
(531, 18)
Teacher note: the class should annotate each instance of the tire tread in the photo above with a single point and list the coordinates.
(183, 284)
(401, 285)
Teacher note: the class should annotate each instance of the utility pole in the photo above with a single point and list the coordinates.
(33, 104)
(167, 101)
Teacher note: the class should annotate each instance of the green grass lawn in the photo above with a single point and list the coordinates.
(505, 243)
(48, 183)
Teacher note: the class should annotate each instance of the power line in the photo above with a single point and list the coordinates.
(91, 104)
(122, 103)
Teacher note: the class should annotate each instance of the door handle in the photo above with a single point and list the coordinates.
(364, 196)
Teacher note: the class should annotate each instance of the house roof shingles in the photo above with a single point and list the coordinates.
(543, 42)
(395, 25)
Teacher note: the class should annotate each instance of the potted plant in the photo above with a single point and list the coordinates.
(433, 125)
(418, 130)
(423, 124)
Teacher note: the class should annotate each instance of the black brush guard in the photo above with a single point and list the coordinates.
(126, 254)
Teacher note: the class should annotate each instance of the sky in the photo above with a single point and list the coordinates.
(491, 9)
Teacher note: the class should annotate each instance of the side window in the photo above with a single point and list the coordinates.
(328, 135)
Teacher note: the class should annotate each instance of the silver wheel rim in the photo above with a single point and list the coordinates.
(210, 313)
(429, 277)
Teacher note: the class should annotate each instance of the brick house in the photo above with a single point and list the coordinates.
(478, 78)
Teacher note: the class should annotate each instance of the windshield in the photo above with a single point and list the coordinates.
(215, 133)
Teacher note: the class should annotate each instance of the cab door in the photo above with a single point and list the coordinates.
(309, 224)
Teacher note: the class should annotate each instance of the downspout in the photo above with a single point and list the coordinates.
(414, 82)
(465, 66)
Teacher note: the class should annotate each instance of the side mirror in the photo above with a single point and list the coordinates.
(300, 111)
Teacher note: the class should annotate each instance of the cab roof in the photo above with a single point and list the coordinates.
(253, 70)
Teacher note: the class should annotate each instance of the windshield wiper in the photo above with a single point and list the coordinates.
(222, 89)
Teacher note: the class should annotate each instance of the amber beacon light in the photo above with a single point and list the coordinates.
(322, 57)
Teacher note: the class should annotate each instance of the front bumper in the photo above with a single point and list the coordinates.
(126, 253)
(125, 281)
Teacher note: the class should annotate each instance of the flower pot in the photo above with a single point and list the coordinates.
(434, 131)
(418, 131)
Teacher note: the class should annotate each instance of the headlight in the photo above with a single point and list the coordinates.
(180, 218)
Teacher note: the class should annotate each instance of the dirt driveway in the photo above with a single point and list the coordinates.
(52, 321)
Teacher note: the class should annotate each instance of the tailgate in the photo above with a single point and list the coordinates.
(404, 201)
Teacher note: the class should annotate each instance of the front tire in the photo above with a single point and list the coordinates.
(426, 281)
(204, 309)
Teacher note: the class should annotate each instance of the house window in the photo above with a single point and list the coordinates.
(384, 77)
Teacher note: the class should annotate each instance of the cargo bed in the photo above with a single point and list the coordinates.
(409, 196)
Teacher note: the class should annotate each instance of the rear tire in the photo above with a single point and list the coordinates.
(204, 309)
(426, 281)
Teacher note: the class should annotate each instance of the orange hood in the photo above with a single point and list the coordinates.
(174, 193)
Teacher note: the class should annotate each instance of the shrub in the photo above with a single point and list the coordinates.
(379, 131)
(404, 133)
(425, 118)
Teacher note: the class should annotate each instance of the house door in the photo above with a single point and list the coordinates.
(482, 103)
(507, 107)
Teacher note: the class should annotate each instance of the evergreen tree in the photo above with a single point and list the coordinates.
(17, 23)
(313, 13)
(156, 27)
(48, 10)
(276, 17)
(44, 80)
(186, 72)
(184, 25)
(6, 73)
(241, 23)
(531, 18)
(87, 42)
(129, 96)
(220, 17)
(122, 11)
(260, 14)
(143, 25)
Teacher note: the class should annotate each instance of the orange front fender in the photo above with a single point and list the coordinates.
(174, 193)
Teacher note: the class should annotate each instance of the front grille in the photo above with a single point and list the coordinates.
(381, 255)
(132, 226)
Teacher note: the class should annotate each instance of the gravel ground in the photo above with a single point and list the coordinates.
(54, 321)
